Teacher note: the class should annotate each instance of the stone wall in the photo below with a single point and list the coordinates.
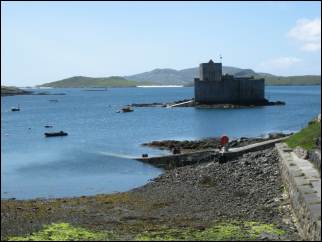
(304, 199)
(251, 90)
(315, 157)
(232, 90)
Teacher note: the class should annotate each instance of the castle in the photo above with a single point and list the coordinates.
(214, 88)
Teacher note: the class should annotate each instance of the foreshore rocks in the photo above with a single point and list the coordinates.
(248, 188)
(208, 143)
(140, 105)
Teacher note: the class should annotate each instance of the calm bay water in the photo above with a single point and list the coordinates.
(95, 156)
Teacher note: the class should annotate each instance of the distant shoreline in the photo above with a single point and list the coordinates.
(157, 86)
(165, 86)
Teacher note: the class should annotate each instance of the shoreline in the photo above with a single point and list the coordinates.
(158, 86)
(186, 146)
(211, 142)
(179, 198)
(247, 189)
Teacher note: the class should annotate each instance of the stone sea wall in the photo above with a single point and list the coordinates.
(305, 201)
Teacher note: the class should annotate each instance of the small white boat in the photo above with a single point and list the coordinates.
(14, 109)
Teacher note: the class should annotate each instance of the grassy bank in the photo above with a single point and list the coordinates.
(306, 137)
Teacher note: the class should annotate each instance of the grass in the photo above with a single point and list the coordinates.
(306, 137)
(220, 232)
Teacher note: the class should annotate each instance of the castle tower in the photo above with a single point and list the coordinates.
(210, 71)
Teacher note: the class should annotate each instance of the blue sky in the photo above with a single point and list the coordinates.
(48, 41)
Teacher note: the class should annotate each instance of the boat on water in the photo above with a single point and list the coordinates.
(127, 109)
(48, 126)
(53, 134)
(14, 109)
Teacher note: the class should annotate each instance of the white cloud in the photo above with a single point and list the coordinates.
(308, 33)
(280, 63)
(311, 46)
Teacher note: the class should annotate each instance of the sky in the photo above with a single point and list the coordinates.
(48, 41)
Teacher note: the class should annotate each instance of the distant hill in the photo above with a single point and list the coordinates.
(178, 77)
(186, 76)
(83, 81)
(182, 77)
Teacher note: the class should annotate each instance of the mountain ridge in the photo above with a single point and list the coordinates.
(185, 77)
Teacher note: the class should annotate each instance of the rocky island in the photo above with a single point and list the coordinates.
(10, 91)
(192, 103)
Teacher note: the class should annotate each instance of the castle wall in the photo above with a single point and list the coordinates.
(241, 90)
(216, 92)
(251, 90)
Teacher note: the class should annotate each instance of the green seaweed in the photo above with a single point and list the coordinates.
(220, 232)
(63, 232)
(256, 229)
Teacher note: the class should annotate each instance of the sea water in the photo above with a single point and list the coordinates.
(97, 155)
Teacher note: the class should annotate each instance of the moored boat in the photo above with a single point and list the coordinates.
(14, 109)
(53, 134)
(127, 109)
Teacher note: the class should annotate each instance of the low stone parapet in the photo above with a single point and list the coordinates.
(303, 183)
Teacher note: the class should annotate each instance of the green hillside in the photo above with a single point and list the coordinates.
(83, 81)
(293, 80)
(185, 77)
(174, 77)
(272, 80)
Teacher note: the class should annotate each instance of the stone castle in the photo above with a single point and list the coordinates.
(214, 88)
